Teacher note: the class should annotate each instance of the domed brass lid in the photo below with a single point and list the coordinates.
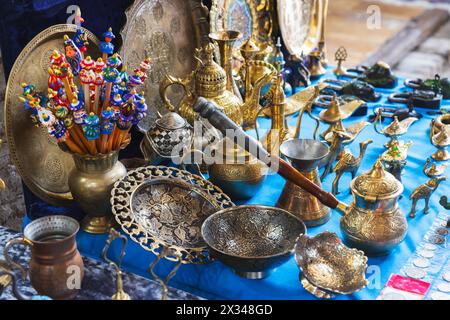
(171, 121)
(249, 49)
(210, 78)
(376, 184)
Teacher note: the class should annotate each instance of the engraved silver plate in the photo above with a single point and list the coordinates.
(440, 296)
(299, 23)
(443, 287)
(446, 276)
(167, 32)
(415, 273)
(425, 253)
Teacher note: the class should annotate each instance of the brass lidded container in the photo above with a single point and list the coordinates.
(209, 80)
(374, 222)
(237, 172)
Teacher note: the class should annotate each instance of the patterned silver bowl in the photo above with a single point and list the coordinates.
(252, 240)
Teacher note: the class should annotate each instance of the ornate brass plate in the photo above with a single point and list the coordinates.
(164, 208)
(299, 23)
(238, 15)
(166, 31)
(42, 165)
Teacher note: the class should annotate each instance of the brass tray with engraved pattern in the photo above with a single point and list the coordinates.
(167, 32)
(43, 166)
(300, 23)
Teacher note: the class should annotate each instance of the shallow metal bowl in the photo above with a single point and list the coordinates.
(253, 240)
(328, 266)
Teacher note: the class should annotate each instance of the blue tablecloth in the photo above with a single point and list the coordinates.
(216, 281)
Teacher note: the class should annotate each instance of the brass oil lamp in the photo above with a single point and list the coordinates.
(395, 130)
(208, 80)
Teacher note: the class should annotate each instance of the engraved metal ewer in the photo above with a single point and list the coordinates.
(305, 156)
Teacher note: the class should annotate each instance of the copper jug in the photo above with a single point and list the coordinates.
(56, 268)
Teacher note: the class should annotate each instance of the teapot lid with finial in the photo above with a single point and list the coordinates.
(377, 184)
(210, 78)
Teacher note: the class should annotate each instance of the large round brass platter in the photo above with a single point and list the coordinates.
(167, 32)
(299, 23)
(42, 165)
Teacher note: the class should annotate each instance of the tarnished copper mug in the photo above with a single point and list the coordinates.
(56, 268)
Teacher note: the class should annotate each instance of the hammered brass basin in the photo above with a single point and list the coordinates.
(329, 267)
(252, 240)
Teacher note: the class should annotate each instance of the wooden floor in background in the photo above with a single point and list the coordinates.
(347, 26)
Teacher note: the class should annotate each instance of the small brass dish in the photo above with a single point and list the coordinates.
(329, 267)
(253, 240)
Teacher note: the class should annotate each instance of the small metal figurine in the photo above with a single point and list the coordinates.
(355, 87)
(434, 170)
(400, 113)
(348, 163)
(394, 159)
(426, 99)
(395, 130)
(299, 74)
(379, 75)
(438, 85)
(340, 56)
(445, 203)
(424, 191)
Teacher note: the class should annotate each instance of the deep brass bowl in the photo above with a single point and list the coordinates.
(252, 240)
(329, 267)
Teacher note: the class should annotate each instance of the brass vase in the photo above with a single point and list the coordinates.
(91, 182)
(305, 156)
(56, 268)
(226, 40)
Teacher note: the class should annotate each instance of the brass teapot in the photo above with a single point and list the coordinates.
(374, 222)
(208, 80)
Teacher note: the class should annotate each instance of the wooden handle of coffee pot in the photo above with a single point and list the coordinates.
(221, 122)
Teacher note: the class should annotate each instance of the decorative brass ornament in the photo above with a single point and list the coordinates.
(253, 240)
(299, 22)
(374, 222)
(328, 267)
(340, 56)
(434, 170)
(394, 159)
(424, 191)
(348, 163)
(440, 123)
(441, 141)
(208, 80)
(113, 235)
(395, 130)
(167, 32)
(43, 166)
(338, 139)
(301, 99)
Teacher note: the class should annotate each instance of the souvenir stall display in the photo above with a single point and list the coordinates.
(235, 195)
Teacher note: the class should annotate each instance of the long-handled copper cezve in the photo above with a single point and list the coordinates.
(221, 122)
